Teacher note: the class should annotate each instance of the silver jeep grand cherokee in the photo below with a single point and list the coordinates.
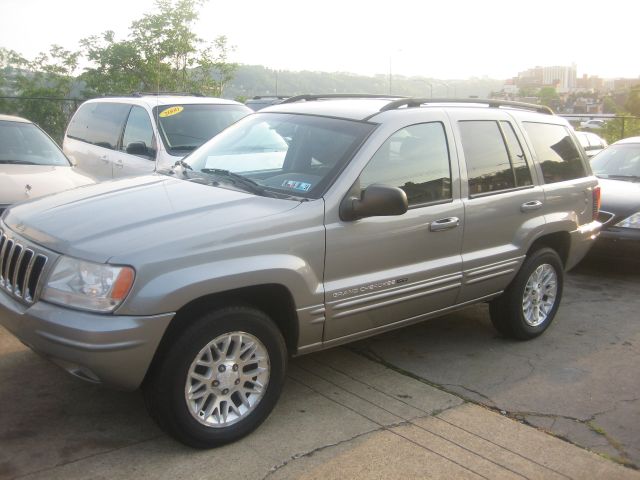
(310, 224)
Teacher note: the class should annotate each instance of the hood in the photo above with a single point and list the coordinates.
(619, 197)
(24, 182)
(136, 214)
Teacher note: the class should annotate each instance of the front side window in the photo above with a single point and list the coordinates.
(558, 155)
(138, 134)
(185, 127)
(620, 162)
(415, 159)
(293, 155)
(494, 157)
(25, 144)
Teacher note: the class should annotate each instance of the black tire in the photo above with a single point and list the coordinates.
(507, 311)
(165, 389)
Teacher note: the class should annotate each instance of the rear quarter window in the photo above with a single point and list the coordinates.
(557, 153)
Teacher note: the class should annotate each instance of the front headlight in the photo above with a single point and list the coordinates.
(632, 221)
(87, 285)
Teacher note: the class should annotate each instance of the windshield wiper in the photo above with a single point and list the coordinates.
(18, 162)
(184, 147)
(236, 179)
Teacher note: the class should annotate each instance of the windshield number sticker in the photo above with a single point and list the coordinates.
(171, 111)
(302, 186)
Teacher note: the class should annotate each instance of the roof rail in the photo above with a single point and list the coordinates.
(417, 102)
(258, 97)
(178, 94)
(309, 98)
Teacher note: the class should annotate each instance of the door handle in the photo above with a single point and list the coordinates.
(530, 206)
(119, 164)
(444, 224)
(104, 159)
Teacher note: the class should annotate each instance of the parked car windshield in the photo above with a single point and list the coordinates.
(618, 161)
(297, 155)
(184, 128)
(24, 143)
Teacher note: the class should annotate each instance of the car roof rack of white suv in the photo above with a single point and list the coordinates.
(329, 96)
(175, 94)
(417, 102)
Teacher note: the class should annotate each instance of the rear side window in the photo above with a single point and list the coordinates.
(99, 123)
(415, 159)
(494, 158)
(558, 155)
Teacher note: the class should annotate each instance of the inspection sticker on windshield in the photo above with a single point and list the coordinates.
(171, 111)
(302, 186)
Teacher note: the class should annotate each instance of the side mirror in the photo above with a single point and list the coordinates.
(137, 148)
(376, 201)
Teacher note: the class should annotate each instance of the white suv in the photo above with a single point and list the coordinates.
(123, 136)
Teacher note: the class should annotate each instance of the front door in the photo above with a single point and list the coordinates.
(383, 270)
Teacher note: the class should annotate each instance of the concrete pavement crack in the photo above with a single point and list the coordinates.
(313, 451)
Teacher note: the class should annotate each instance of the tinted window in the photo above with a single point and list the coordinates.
(516, 154)
(99, 123)
(558, 156)
(185, 127)
(138, 130)
(415, 159)
(620, 161)
(25, 144)
(488, 165)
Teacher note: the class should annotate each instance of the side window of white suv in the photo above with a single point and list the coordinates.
(138, 136)
(415, 159)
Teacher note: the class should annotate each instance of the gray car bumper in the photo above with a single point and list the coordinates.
(109, 349)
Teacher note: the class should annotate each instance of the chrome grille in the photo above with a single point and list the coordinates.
(20, 268)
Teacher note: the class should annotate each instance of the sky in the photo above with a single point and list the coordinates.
(446, 39)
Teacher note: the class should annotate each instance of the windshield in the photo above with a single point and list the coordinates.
(185, 127)
(618, 161)
(24, 143)
(296, 155)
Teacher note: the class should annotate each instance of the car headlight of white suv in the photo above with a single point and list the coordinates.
(87, 285)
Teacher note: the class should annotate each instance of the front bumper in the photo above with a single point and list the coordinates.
(109, 349)
(582, 239)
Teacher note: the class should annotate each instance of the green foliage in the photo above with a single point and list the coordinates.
(619, 128)
(49, 75)
(549, 97)
(633, 101)
(161, 53)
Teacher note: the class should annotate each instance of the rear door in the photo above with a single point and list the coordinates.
(503, 203)
(384, 270)
(93, 135)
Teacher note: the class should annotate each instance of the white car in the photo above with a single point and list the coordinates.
(31, 164)
(124, 136)
(594, 124)
(591, 143)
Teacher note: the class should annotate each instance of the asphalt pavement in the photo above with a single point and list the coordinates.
(448, 398)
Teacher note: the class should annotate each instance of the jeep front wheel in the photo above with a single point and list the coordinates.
(220, 379)
(528, 306)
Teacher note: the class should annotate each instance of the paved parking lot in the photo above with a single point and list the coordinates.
(579, 380)
(403, 412)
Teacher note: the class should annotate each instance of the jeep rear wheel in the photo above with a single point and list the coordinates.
(527, 307)
(220, 379)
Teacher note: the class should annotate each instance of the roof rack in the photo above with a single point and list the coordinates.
(417, 102)
(309, 98)
(281, 97)
(178, 94)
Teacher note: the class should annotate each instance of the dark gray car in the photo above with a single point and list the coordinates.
(308, 225)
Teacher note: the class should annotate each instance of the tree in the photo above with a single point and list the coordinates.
(549, 97)
(161, 53)
(44, 86)
(633, 101)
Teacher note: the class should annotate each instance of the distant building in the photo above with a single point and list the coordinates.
(563, 79)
